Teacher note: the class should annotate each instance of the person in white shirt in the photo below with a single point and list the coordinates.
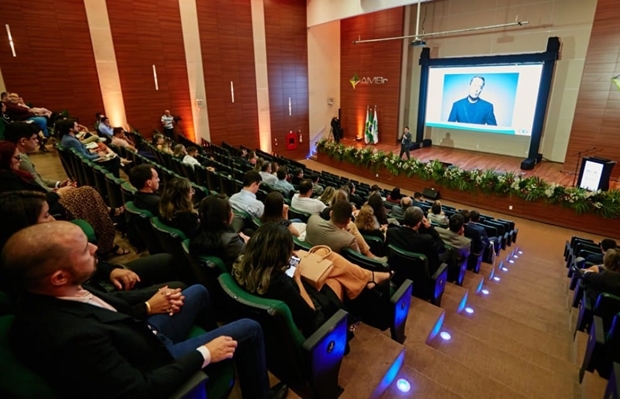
(245, 200)
(190, 158)
(304, 201)
(265, 173)
(167, 120)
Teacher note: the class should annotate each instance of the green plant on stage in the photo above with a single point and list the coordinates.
(490, 182)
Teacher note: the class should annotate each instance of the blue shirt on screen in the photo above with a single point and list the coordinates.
(479, 112)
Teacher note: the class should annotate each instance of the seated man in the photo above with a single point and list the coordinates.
(304, 201)
(418, 200)
(480, 241)
(245, 200)
(190, 158)
(317, 189)
(417, 235)
(120, 139)
(398, 211)
(454, 236)
(298, 175)
(135, 346)
(105, 129)
(353, 197)
(265, 173)
(332, 232)
(145, 179)
(606, 244)
(282, 185)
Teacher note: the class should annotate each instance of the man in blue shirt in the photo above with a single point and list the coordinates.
(282, 185)
(473, 109)
(245, 200)
(105, 128)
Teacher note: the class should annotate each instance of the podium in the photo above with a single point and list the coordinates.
(594, 173)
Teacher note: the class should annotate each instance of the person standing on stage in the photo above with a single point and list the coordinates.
(168, 121)
(405, 143)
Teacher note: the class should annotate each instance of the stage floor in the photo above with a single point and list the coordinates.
(468, 160)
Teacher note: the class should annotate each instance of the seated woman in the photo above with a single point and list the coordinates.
(328, 195)
(607, 280)
(366, 223)
(376, 203)
(162, 143)
(20, 209)
(395, 196)
(69, 201)
(176, 208)
(277, 211)
(261, 270)
(215, 235)
(179, 151)
(436, 215)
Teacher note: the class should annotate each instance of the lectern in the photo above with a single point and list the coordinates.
(594, 173)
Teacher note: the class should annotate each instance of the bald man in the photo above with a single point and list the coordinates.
(100, 346)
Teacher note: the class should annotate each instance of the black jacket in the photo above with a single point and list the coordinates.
(426, 242)
(87, 351)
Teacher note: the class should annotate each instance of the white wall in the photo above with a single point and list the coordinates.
(323, 76)
(322, 11)
(570, 20)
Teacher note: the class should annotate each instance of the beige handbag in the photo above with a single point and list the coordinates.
(315, 268)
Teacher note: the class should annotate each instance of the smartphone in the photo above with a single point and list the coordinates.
(292, 265)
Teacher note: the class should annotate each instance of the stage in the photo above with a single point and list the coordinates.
(468, 160)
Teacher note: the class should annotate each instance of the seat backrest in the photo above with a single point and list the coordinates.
(299, 244)
(17, 380)
(297, 214)
(171, 241)
(607, 306)
(376, 244)
(412, 266)
(227, 184)
(140, 219)
(113, 186)
(364, 261)
(283, 340)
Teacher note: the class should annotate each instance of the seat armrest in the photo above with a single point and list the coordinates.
(612, 391)
(584, 319)
(440, 277)
(440, 270)
(400, 303)
(324, 351)
(595, 350)
(195, 387)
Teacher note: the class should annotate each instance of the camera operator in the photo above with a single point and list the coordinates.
(168, 121)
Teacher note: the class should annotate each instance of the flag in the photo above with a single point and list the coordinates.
(375, 128)
(367, 125)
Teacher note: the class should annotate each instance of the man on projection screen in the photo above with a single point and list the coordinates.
(473, 109)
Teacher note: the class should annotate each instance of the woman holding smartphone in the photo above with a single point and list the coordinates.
(261, 270)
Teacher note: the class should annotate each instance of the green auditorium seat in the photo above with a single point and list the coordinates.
(603, 348)
(141, 232)
(376, 244)
(297, 214)
(171, 241)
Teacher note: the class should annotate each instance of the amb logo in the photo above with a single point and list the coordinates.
(377, 80)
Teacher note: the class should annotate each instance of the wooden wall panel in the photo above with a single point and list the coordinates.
(147, 34)
(287, 68)
(228, 55)
(382, 59)
(55, 66)
(597, 115)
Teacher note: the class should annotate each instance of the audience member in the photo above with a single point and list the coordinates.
(120, 139)
(298, 175)
(367, 224)
(215, 236)
(418, 200)
(398, 211)
(282, 185)
(417, 235)
(107, 342)
(261, 270)
(304, 201)
(395, 196)
(317, 189)
(436, 215)
(146, 180)
(105, 129)
(328, 195)
(478, 235)
(18, 113)
(277, 211)
(190, 158)
(353, 197)
(454, 236)
(333, 232)
(606, 280)
(605, 245)
(265, 173)
(245, 200)
(179, 152)
(376, 203)
(176, 208)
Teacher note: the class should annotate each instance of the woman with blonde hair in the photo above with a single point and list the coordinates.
(327, 195)
(606, 279)
(176, 208)
(366, 223)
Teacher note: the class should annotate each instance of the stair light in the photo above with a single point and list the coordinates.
(445, 335)
(496, 278)
(485, 291)
(403, 385)
(469, 310)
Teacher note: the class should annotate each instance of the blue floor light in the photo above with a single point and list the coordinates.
(496, 278)
(485, 291)
(511, 261)
(445, 335)
(469, 310)
(505, 269)
(403, 385)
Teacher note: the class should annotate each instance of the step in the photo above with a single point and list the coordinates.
(503, 366)
(487, 270)
(420, 387)
(466, 323)
(593, 386)
(517, 330)
(539, 306)
(423, 322)
(473, 282)
(554, 286)
(558, 326)
(371, 365)
(580, 345)
(454, 375)
(454, 298)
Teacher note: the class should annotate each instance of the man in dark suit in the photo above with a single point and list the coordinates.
(480, 241)
(145, 179)
(102, 346)
(473, 109)
(417, 235)
(405, 143)
(353, 197)
(606, 244)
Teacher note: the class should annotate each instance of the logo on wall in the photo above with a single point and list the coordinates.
(377, 80)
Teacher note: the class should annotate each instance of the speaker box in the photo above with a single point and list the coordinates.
(528, 164)
(538, 158)
(430, 193)
(414, 146)
(427, 143)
